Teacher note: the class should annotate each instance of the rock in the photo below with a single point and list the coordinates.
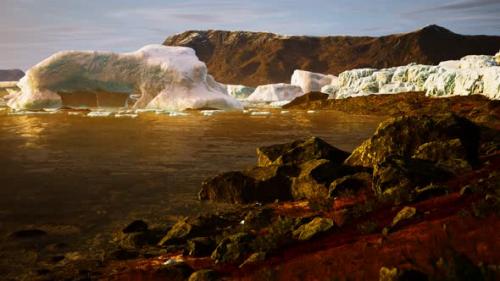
(309, 230)
(315, 177)
(260, 184)
(298, 152)
(412, 275)
(449, 154)
(388, 274)
(402, 136)
(155, 77)
(275, 92)
(306, 100)
(200, 246)
(135, 240)
(253, 259)
(177, 271)
(396, 178)
(259, 218)
(204, 275)
(136, 226)
(311, 81)
(429, 191)
(350, 183)
(404, 214)
(232, 248)
(124, 254)
(186, 229)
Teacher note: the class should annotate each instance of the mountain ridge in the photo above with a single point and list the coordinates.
(256, 58)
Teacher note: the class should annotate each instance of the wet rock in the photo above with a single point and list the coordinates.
(405, 214)
(306, 100)
(253, 259)
(200, 246)
(176, 271)
(429, 191)
(298, 152)
(402, 136)
(135, 240)
(28, 234)
(449, 154)
(260, 184)
(313, 228)
(396, 178)
(136, 226)
(350, 183)
(232, 248)
(188, 228)
(259, 218)
(204, 275)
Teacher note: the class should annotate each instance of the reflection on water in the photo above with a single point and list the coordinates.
(92, 173)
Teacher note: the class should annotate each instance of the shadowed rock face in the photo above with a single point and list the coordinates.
(11, 74)
(255, 58)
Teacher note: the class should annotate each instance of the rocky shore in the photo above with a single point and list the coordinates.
(419, 200)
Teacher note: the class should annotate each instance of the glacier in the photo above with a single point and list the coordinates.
(311, 81)
(154, 77)
(470, 75)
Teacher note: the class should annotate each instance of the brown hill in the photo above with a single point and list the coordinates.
(11, 74)
(255, 58)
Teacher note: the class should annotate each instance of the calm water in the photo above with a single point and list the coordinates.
(81, 175)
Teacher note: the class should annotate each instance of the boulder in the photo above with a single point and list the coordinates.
(402, 136)
(350, 183)
(396, 178)
(309, 230)
(200, 246)
(260, 184)
(136, 226)
(448, 154)
(175, 271)
(204, 275)
(233, 248)
(315, 177)
(298, 152)
(404, 214)
(188, 228)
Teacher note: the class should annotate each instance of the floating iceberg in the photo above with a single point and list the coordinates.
(275, 92)
(311, 81)
(154, 77)
(468, 76)
(239, 92)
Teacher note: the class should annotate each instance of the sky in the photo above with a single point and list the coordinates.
(31, 30)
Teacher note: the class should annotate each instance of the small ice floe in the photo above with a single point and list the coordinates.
(126, 111)
(285, 112)
(22, 112)
(242, 222)
(245, 111)
(260, 113)
(174, 113)
(99, 114)
(75, 113)
(277, 104)
(209, 112)
(311, 111)
(127, 115)
(145, 110)
(173, 261)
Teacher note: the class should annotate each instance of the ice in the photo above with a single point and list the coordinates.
(99, 114)
(275, 92)
(260, 113)
(311, 81)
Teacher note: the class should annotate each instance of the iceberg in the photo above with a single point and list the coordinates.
(311, 81)
(239, 92)
(275, 93)
(154, 77)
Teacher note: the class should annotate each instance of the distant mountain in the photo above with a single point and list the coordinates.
(255, 58)
(11, 74)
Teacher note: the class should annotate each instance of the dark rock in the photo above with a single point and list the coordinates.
(200, 246)
(402, 136)
(412, 275)
(404, 214)
(177, 271)
(309, 230)
(350, 183)
(449, 154)
(123, 254)
(298, 152)
(188, 228)
(315, 177)
(136, 226)
(204, 275)
(306, 100)
(259, 218)
(28, 233)
(429, 191)
(253, 259)
(135, 240)
(233, 248)
(396, 178)
(260, 184)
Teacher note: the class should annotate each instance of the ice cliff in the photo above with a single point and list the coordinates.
(155, 77)
(470, 75)
(275, 93)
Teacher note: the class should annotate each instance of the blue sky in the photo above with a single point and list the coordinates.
(31, 30)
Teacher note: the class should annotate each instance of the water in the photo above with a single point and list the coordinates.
(79, 176)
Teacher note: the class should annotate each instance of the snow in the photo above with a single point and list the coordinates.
(311, 81)
(154, 77)
(275, 93)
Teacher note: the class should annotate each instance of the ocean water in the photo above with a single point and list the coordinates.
(79, 176)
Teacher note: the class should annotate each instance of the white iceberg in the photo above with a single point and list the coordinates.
(239, 92)
(154, 77)
(275, 93)
(311, 81)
